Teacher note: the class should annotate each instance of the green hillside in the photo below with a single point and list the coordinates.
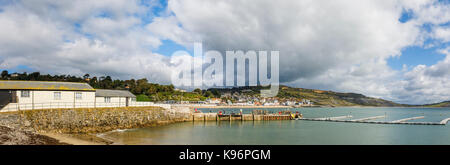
(330, 98)
(318, 97)
(441, 104)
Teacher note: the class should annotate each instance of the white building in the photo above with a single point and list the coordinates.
(113, 98)
(27, 95)
(18, 95)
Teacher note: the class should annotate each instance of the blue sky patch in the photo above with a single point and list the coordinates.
(416, 55)
(169, 47)
(406, 16)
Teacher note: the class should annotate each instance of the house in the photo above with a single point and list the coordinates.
(27, 95)
(214, 100)
(45, 94)
(113, 98)
(15, 75)
(180, 90)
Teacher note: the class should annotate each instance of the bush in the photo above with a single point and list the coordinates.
(142, 97)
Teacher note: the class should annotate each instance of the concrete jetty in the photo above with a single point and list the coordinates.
(444, 121)
(411, 118)
(260, 117)
(328, 118)
(368, 118)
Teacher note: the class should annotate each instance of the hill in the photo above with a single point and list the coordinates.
(330, 98)
(441, 104)
(147, 91)
(319, 97)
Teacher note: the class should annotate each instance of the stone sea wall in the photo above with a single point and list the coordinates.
(93, 120)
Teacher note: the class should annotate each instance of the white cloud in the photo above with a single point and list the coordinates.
(442, 34)
(335, 45)
(77, 37)
(426, 84)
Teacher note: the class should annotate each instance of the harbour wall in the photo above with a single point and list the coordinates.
(93, 120)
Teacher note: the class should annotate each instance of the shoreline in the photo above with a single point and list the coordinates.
(48, 138)
(78, 139)
(227, 106)
(318, 106)
(81, 126)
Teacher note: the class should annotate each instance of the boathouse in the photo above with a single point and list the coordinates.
(44, 94)
(28, 95)
(115, 98)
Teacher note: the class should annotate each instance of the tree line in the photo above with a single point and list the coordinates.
(142, 88)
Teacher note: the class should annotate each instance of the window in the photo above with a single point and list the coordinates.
(133, 99)
(24, 93)
(57, 95)
(107, 99)
(78, 96)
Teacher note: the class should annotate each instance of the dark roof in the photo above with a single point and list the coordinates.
(44, 85)
(113, 93)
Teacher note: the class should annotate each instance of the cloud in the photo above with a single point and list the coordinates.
(341, 45)
(77, 37)
(427, 84)
(338, 45)
(331, 45)
(312, 36)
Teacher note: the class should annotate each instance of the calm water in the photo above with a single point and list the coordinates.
(299, 132)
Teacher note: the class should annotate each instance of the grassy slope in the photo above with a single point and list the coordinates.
(330, 98)
(441, 104)
(319, 97)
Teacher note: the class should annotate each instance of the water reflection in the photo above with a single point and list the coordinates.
(300, 132)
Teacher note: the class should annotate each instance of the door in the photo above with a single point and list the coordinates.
(7, 97)
(126, 101)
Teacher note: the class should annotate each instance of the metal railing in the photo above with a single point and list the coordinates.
(55, 105)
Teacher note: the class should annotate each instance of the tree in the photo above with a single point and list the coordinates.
(152, 89)
(5, 74)
(34, 76)
(197, 90)
(208, 94)
(86, 76)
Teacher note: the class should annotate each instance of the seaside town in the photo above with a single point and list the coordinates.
(35, 91)
(241, 99)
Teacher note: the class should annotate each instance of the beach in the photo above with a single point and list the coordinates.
(81, 126)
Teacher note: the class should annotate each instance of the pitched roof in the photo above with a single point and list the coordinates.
(113, 93)
(45, 85)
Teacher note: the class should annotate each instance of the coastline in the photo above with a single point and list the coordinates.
(81, 126)
(16, 130)
(78, 139)
(243, 106)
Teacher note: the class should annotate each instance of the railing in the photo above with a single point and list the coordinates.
(54, 105)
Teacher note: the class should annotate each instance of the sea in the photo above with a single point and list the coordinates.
(298, 132)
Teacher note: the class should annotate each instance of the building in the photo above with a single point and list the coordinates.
(179, 90)
(27, 95)
(43, 94)
(113, 98)
(15, 75)
(214, 100)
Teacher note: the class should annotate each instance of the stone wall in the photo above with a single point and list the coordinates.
(94, 120)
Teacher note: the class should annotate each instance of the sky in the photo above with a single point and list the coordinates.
(397, 50)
